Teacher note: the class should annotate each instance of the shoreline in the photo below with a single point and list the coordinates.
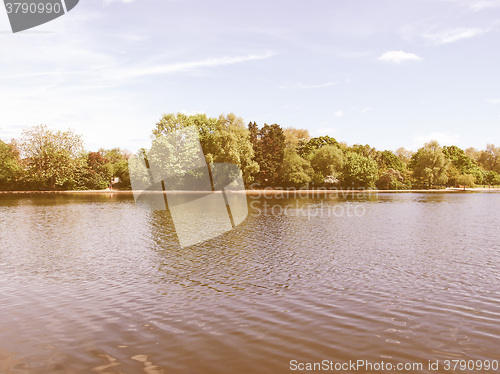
(262, 191)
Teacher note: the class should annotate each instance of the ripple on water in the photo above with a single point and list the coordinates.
(101, 285)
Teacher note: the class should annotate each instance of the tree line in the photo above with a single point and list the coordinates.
(268, 156)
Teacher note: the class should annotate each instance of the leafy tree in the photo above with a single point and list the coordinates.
(118, 163)
(294, 137)
(492, 178)
(223, 140)
(306, 148)
(98, 172)
(359, 171)
(453, 176)
(489, 159)
(392, 180)
(430, 165)
(327, 163)
(10, 166)
(364, 150)
(473, 153)
(393, 173)
(296, 170)
(404, 155)
(269, 148)
(253, 133)
(467, 180)
(232, 145)
(52, 157)
(462, 163)
(388, 160)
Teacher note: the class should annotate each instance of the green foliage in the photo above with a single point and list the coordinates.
(294, 137)
(430, 165)
(404, 155)
(492, 178)
(388, 160)
(392, 180)
(52, 157)
(10, 167)
(461, 163)
(269, 147)
(120, 170)
(97, 172)
(306, 148)
(296, 170)
(467, 180)
(489, 159)
(364, 150)
(46, 159)
(359, 171)
(223, 140)
(327, 162)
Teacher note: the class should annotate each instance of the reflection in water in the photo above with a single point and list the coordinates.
(93, 283)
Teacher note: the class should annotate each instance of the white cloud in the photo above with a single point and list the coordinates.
(114, 72)
(442, 138)
(476, 5)
(493, 101)
(484, 4)
(142, 71)
(366, 109)
(310, 86)
(338, 113)
(454, 35)
(398, 57)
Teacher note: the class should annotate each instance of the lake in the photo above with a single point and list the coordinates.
(93, 283)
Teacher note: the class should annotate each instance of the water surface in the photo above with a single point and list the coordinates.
(92, 283)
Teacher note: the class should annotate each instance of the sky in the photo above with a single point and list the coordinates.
(388, 73)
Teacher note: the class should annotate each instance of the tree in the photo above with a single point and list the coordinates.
(269, 148)
(97, 172)
(392, 180)
(10, 166)
(294, 137)
(118, 163)
(473, 153)
(453, 176)
(296, 170)
(404, 155)
(359, 171)
(52, 157)
(393, 174)
(430, 165)
(388, 160)
(467, 180)
(306, 148)
(364, 150)
(461, 163)
(232, 145)
(489, 159)
(223, 140)
(492, 178)
(327, 163)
